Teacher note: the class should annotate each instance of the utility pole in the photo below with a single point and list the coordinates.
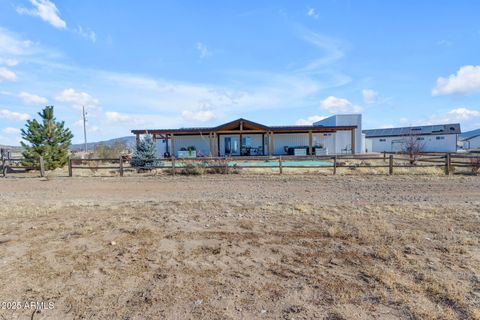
(85, 128)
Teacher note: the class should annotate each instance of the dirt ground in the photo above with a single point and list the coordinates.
(241, 247)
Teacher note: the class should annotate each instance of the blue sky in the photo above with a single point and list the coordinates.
(162, 64)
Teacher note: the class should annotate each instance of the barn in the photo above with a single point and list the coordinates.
(470, 140)
(243, 137)
(432, 138)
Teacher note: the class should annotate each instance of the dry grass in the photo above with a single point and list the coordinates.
(231, 248)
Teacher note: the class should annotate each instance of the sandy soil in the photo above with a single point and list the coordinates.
(241, 247)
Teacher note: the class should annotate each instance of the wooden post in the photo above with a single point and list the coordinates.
(172, 136)
(384, 156)
(42, 167)
(273, 144)
(310, 143)
(447, 164)
(335, 165)
(280, 165)
(121, 166)
(353, 140)
(390, 165)
(70, 169)
(166, 143)
(137, 139)
(4, 167)
(173, 165)
(210, 151)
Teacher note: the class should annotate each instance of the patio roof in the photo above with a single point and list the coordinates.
(245, 126)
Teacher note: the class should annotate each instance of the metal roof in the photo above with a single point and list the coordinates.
(470, 134)
(245, 122)
(453, 128)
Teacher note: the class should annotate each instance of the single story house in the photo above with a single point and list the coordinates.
(470, 140)
(243, 137)
(432, 138)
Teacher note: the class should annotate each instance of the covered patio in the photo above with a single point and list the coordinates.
(242, 137)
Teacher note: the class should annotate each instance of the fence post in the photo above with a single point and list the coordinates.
(70, 169)
(173, 165)
(226, 164)
(447, 164)
(4, 166)
(121, 166)
(390, 164)
(280, 166)
(384, 156)
(42, 167)
(334, 164)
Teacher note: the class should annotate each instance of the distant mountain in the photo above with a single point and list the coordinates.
(128, 141)
(468, 134)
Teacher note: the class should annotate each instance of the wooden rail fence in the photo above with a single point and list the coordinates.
(391, 161)
(10, 165)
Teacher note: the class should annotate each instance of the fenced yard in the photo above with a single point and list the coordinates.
(388, 164)
(373, 164)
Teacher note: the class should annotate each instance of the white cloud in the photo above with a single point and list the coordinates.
(33, 99)
(78, 99)
(200, 116)
(369, 96)
(45, 10)
(331, 48)
(465, 81)
(10, 45)
(462, 114)
(10, 130)
(312, 13)
(86, 33)
(117, 117)
(467, 117)
(310, 120)
(12, 115)
(8, 62)
(339, 105)
(203, 50)
(7, 75)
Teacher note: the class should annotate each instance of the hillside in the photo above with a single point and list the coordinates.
(129, 141)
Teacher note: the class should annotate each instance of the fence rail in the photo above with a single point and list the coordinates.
(15, 165)
(391, 161)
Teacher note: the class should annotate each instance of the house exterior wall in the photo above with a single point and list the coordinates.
(473, 143)
(343, 138)
(282, 140)
(201, 144)
(432, 143)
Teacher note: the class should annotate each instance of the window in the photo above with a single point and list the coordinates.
(420, 138)
(327, 134)
(382, 140)
(440, 138)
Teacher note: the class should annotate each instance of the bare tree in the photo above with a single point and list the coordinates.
(413, 145)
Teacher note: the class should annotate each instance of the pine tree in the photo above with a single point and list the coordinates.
(144, 154)
(48, 139)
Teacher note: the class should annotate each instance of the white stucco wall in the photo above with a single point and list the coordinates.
(432, 143)
(343, 138)
(473, 143)
(201, 143)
